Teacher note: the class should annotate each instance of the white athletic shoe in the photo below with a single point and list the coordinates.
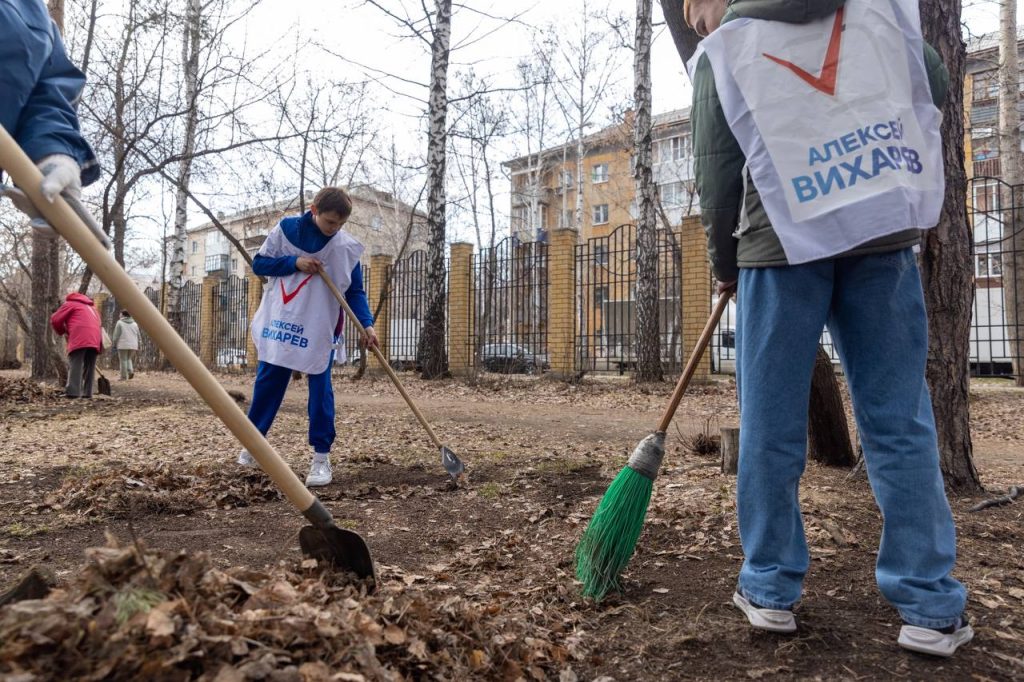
(773, 620)
(942, 642)
(319, 474)
(247, 460)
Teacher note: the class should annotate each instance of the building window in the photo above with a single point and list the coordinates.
(985, 86)
(566, 217)
(988, 265)
(195, 247)
(600, 214)
(193, 268)
(599, 173)
(234, 264)
(674, 149)
(674, 194)
(600, 254)
(376, 222)
(986, 196)
(600, 296)
(566, 179)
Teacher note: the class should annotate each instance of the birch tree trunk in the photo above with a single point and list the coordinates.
(47, 362)
(1012, 246)
(647, 341)
(946, 265)
(432, 352)
(190, 60)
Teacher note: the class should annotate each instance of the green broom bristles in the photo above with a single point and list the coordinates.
(610, 538)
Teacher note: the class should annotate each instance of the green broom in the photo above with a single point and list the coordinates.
(610, 538)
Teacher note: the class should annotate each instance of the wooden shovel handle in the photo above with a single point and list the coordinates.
(691, 364)
(380, 356)
(70, 226)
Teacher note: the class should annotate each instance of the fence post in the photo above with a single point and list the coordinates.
(207, 321)
(460, 307)
(562, 302)
(380, 266)
(695, 294)
(254, 296)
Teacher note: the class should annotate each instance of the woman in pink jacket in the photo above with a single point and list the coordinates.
(78, 318)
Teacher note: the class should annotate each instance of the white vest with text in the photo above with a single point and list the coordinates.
(837, 123)
(294, 326)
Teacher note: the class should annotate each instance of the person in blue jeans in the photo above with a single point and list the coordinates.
(869, 296)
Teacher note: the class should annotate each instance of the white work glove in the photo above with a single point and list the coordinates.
(60, 174)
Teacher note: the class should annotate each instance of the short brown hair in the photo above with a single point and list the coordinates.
(333, 199)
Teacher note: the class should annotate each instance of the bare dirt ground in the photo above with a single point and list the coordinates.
(480, 579)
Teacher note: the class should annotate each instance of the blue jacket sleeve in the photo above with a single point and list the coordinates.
(355, 296)
(282, 266)
(41, 87)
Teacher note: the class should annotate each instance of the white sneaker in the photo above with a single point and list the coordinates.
(319, 474)
(942, 642)
(773, 620)
(247, 460)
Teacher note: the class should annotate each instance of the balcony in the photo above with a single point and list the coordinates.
(218, 265)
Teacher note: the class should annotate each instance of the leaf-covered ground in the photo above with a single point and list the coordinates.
(205, 578)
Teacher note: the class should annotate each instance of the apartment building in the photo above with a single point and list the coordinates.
(545, 185)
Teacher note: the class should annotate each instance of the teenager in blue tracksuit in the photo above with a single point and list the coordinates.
(39, 87)
(298, 319)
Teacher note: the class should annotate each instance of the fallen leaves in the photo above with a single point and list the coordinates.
(137, 614)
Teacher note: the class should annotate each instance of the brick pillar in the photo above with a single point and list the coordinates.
(460, 310)
(254, 296)
(696, 292)
(380, 265)
(207, 321)
(562, 302)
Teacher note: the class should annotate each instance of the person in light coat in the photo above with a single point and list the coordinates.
(126, 341)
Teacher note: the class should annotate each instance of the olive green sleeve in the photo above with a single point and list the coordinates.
(718, 167)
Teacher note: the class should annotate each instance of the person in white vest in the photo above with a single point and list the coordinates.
(818, 160)
(126, 341)
(295, 326)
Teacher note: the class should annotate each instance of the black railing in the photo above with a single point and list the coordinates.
(407, 307)
(230, 321)
(510, 307)
(605, 301)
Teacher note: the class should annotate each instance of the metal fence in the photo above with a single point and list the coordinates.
(230, 320)
(407, 305)
(510, 307)
(996, 214)
(605, 301)
(351, 337)
(190, 320)
(148, 355)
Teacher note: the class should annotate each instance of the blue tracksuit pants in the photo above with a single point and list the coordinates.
(268, 392)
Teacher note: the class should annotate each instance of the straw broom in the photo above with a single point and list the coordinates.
(611, 537)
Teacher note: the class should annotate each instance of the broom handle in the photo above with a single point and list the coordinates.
(383, 361)
(691, 364)
(70, 226)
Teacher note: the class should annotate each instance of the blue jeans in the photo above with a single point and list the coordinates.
(268, 393)
(874, 308)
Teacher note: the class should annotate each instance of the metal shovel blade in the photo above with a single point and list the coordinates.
(343, 549)
(451, 463)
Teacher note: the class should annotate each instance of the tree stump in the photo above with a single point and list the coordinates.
(730, 449)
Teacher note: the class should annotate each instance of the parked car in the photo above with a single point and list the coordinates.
(511, 358)
(231, 357)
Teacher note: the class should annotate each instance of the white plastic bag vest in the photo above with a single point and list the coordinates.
(294, 326)
(837, 123)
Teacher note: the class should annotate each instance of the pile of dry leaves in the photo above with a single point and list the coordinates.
(13, 391)
(157, 488)
(136, 614)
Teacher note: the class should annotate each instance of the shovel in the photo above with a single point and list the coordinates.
(323, 540)
(449, 460)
